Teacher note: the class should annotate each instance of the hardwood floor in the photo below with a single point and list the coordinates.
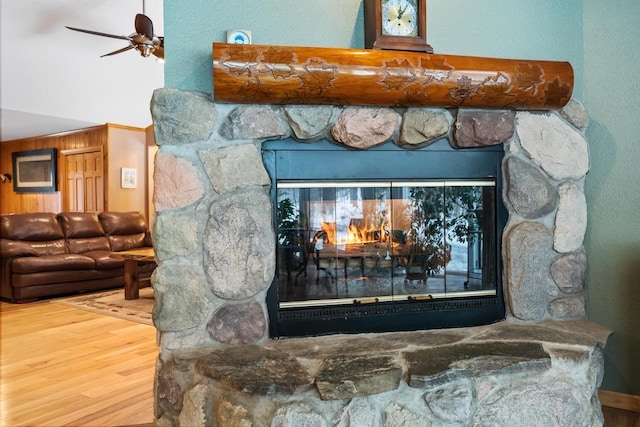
(65, 366)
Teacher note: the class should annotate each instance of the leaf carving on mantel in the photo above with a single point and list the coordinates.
(318, 75)
(557, 92)
(529, 76)
(500, 79)
(415, 97)
(464, 89)
(496, 95)
(302, 96)
(254, 90)
(495, 89)
(279, 61)
(397, 74)
(241, 59)
(517, 104)
(295, 96)
(435, 69)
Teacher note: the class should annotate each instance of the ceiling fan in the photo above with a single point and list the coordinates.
(143, 40)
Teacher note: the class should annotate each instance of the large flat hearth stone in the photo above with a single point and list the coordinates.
(254, 369)
(347, 377)
(439, 365)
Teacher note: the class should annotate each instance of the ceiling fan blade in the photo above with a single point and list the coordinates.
(124, 49)
(144, 25)
(96, 33)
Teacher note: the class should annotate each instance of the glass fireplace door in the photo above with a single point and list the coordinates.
(365, 242)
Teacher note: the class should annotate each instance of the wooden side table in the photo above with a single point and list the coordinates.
(132, 260)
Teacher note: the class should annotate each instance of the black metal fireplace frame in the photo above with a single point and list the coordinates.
(288, 160)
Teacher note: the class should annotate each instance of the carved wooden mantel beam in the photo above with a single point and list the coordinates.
(258, 74)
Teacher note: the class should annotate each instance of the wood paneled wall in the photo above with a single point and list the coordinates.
(12, 202)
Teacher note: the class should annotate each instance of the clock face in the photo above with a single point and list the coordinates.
(399, 18)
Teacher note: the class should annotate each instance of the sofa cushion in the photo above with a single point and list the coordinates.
(125, 230)
(80, 224)
(11, 248)
(118, 223)
(104, 260)
(81, 246)
(36, 264)
(41, 231)
(83, 231)
(125, 243)
(31, 227)
(44, 247)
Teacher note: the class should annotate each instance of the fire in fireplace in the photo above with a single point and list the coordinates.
(384, 239)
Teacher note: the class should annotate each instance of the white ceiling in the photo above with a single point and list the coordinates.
(52, 78)
(18, 125)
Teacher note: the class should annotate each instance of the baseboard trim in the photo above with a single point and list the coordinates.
(613, 399)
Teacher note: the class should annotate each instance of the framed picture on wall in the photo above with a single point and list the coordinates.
(35, 171)
(128, 178)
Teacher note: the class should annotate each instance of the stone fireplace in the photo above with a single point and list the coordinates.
(215, 241)
(217, 364)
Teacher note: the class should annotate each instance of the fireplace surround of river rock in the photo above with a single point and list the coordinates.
(215, 239)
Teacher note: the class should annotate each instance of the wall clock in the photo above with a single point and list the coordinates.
(396, 25)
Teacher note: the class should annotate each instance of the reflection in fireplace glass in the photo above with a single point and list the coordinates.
(362, 242)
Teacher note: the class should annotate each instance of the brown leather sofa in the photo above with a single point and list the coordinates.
(47, 254)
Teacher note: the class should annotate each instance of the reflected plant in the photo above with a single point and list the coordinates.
(463, 210)
(426, 235)
(288, 217)
(290, 234)
(432, 211)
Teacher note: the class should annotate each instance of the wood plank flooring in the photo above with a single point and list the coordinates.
(64, 366)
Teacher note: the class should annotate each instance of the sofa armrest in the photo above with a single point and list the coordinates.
(10, 250)
(6, 291)
(148, 241)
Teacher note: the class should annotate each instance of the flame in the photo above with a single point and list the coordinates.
(353, 234)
